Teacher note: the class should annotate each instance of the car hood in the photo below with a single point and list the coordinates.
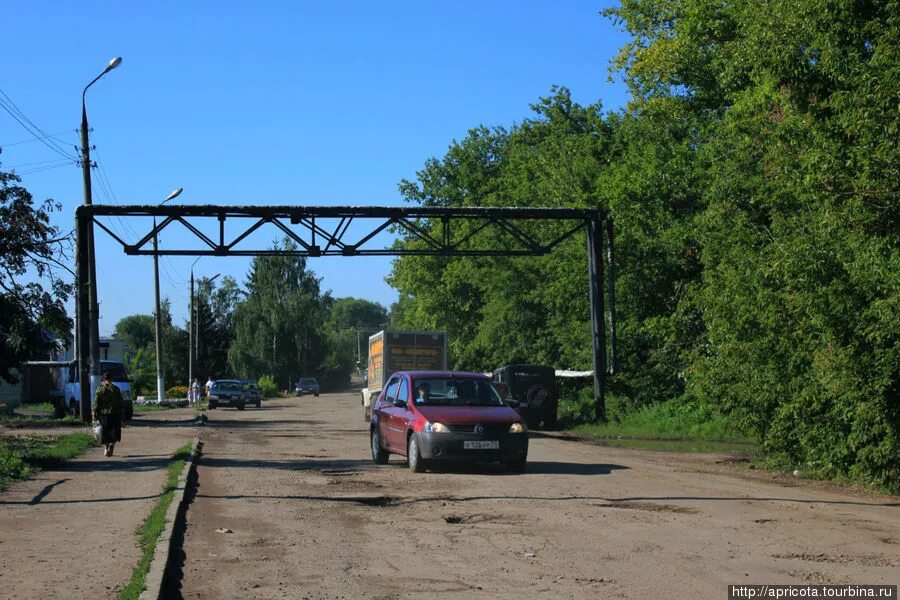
(469, 414)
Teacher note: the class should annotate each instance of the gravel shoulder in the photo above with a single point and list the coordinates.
(289, 505)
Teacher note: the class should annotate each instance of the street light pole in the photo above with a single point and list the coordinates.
(160, 384)
(191, 331)
(90, 325)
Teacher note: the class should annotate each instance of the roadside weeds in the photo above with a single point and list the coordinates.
(23, 455)
(153, 526)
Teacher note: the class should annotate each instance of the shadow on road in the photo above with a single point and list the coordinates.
(174, 568)
(300, 464)
(214, 423)
(140, 421)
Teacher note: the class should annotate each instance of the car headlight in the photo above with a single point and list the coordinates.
(213, 397)
(517, 428)
(436, 428)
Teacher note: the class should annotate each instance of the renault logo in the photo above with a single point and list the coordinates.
(479, 429)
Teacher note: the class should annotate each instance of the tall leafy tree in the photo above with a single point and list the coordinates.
(351, 321)
(796, 103)
(279, 328)
(32, 294)
(214, 313)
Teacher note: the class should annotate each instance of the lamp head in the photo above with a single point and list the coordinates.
(113, 64)
(175, 193)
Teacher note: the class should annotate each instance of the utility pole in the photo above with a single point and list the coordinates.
(86, 250)
(82, 307)
(160, 384)
(191, 333)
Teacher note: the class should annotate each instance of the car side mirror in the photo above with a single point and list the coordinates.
(400, 403)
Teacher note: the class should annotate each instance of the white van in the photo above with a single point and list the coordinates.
(119, 377)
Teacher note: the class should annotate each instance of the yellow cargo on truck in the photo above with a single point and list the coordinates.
(391, 351)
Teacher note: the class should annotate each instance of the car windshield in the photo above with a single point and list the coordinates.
(116, 370)
(308, 382)
(227, 386)
(456, 392)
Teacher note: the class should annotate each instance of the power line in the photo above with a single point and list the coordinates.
(37, 139)
(40, 162)
(22, 119)
(44, 168)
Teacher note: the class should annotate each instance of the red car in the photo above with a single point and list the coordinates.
(438, 415)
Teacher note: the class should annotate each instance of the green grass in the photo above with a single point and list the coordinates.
(673, 425)
(27, 421)
(151, 408)
(22, 455)
(148, 533)
(41, 407)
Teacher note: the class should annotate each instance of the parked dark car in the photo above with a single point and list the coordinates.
(307, 385)
(227, 392)
(252, 393)
(432, 416)
(531, 390)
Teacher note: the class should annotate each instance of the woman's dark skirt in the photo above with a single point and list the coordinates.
(112, 428)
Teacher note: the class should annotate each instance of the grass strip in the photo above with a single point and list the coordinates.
(680, 426)
(149, 531)
(150, 408)
(23, 455)
(36, 421)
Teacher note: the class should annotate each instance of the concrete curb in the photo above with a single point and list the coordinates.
(153, 586)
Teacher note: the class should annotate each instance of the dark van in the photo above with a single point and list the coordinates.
(531, 390)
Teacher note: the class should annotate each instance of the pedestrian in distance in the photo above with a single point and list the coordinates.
(194, 392)
(209, 384)
(108, 408)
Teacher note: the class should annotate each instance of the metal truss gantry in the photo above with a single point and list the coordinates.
(434, 231)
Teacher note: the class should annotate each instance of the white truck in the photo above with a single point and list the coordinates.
(66, 388)
(391, 351)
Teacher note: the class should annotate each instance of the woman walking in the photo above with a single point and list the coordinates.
(108, 410)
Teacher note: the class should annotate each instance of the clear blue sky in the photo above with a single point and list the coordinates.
(306, 103)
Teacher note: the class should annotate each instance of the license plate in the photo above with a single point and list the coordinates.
(481, 445)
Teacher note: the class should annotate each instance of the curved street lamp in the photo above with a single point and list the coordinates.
(88, 314)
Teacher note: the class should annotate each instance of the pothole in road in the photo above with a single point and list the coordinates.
(375, 500)
(471, 519)
(650, 507)
(337, 472)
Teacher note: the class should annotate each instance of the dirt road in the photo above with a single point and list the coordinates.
(311, 517)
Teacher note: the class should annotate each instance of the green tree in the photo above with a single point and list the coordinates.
(797, 145)
(279, 328)
(214, 313)
(30, 248)
(351, 321)
(137, 331)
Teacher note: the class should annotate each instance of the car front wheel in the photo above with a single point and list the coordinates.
(379, 454)
(414, 459)
(240, 406)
